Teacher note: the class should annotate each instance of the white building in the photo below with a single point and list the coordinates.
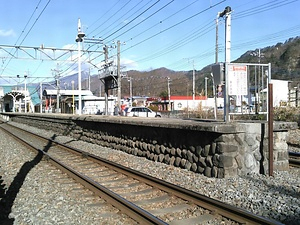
(280, 91)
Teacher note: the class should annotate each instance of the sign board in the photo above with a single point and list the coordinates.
(237, 80)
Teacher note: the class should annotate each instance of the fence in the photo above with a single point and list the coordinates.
(245, 88)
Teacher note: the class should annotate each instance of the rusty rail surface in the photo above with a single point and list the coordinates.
(294, 159)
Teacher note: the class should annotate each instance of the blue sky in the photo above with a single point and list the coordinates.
(154, 33)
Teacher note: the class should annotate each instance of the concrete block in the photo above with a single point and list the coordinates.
(281, 165)
(206, 150)
(188, 165)
(214, 171)
(240, 161)
(182, 163)
(202, 162)
(177, 161)
(226, 161)
(198, 150)
(282, 155)
(249, 162)
(189, 156)
(194, 167)
(226, 138)
(208, 161)
(200, 169)
(225, 148)
(207, 171)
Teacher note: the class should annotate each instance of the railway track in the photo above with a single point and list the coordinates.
(294, 159)
(143, 198)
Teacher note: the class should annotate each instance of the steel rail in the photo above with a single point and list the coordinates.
(215, 206)
(294, 159)
(136, 213)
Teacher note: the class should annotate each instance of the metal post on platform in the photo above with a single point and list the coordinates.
(270, 127)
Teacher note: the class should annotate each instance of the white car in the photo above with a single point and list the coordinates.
(141, 112)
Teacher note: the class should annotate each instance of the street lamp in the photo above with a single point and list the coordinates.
(79, 39)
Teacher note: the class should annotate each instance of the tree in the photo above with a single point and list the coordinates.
(163, 94)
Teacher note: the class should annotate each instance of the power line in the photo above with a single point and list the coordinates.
(29, 30)
(262, 8)
(107, 11)
(181, 43)
(133, 19)
(146, 18)
(125, 13)
(160, 22)
(114, 14)
(22, 32)
(174, 25)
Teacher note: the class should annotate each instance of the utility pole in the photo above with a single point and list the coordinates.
(169, 94)
(193, 82)
(25, 93)
(119, 75)
(130, 89)
(217, 39)
(106, 73)
(227, 14)
(57, 77)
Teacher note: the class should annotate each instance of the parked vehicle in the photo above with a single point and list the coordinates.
(141, 112)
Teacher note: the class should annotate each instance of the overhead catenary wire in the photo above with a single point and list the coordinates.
(170, 47)
(181, 43)
(106, 12)
(174, 25)
(192, 36)
(162, 21)
(143, 19)
(28, 30)
(262, 8)
(133, 19)
(237, 18)
(113, 25)
(114, 14)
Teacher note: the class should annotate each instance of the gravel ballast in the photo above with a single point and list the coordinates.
(276, 197)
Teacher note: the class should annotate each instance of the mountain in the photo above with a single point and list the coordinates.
(284, 59)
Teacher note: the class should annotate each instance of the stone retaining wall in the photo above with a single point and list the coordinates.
(210, 148)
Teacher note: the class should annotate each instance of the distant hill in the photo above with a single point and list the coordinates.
(284, 57)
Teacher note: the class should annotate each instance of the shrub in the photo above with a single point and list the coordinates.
(290, 114)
